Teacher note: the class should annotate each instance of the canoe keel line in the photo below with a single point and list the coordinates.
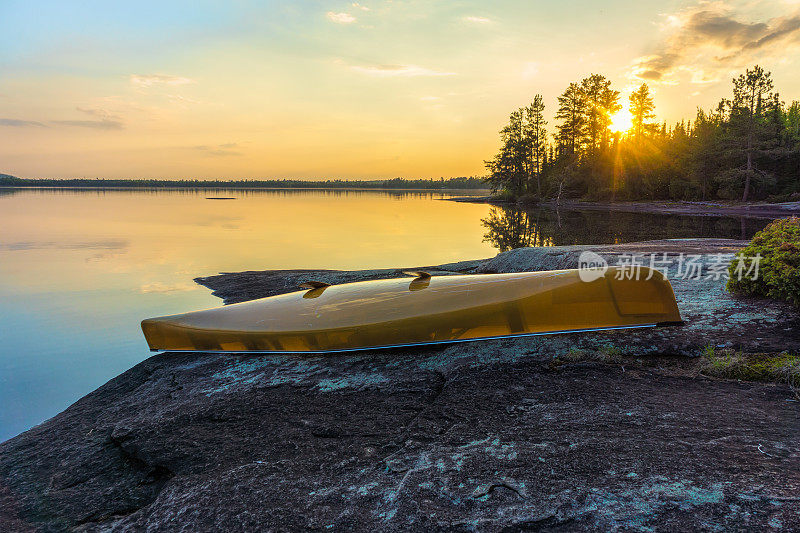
(426, 310)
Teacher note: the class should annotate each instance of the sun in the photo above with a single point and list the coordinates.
(621, 121)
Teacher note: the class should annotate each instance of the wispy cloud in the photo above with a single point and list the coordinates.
(218, 150)
(365, 8)
(149, 80)
(709, 39)
(16, 123)
(398, 71)
(478, 20)
(110, 244)
(104, 120)
(340, 18)
(94, 124)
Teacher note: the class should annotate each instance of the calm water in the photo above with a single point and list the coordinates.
(80, 269)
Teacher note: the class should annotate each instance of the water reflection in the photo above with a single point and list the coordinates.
(512, 227)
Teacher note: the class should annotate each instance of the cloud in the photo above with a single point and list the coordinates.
(340, 18)
(105, 120)
(398, 71)
(95, 112)
(149, 80)
(478, 20)
(16, 123)
(95, 124)
(709, 39)
(110, 244)
(218, 150)
(365, 8)
(430, 98)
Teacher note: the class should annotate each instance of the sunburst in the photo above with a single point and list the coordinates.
(621, 121)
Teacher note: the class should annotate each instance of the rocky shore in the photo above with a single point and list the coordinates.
(709, 208)
(495, 435)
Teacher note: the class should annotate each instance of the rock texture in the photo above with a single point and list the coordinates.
(482, 436)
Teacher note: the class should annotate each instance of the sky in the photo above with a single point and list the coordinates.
(351, 90)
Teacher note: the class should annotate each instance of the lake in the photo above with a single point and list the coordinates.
(79, 269)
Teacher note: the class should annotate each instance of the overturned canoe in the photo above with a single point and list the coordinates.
(400, 312)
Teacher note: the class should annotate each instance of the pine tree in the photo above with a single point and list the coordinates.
(536, 133)
(750, 92)
(572, 111)
(642, 109)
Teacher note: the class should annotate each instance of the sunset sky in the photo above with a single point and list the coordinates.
(376, 89)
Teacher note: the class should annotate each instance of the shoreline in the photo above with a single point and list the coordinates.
(628, 429)
(226, 188)
(688, 208)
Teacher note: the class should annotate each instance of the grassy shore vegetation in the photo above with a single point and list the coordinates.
(778, 245)
(730, 364)
(396, 183)
(747, 148)
(715, 362)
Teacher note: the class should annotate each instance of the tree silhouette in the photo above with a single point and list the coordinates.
(536, 133)
(746, 147)
(572, 112)
(752, 98)
(601, 102)
(642, 110)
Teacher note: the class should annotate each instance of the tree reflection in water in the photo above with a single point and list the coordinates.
(510, 227)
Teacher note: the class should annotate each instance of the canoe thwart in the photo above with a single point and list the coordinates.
(419, 274)
(314, 285)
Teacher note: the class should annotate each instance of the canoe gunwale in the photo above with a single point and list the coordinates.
(430, 343)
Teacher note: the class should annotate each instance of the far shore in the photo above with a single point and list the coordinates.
(234, 188)
(666, 207)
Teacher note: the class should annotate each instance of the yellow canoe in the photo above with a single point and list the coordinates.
(400, 312)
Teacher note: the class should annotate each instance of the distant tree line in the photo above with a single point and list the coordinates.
(746, 148)
(396, 183)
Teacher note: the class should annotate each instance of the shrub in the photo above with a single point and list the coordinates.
(504, 195)
(779, 271)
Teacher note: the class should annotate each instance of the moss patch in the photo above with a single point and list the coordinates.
(731, 364)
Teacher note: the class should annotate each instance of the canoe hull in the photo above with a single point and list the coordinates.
(402, 312)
